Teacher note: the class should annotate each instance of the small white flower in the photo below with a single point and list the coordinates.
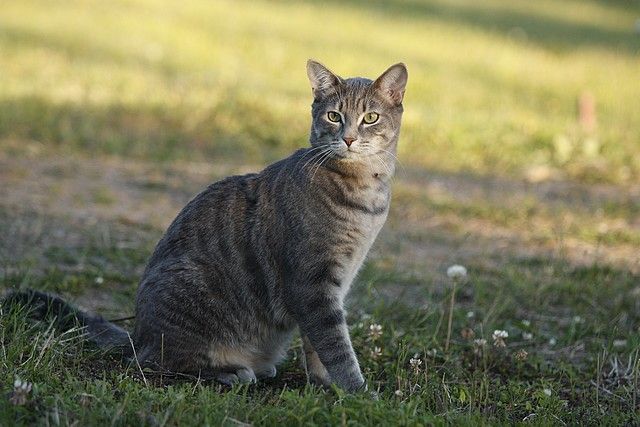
(528, 336)
(99, 280)
(432, 352)
(480, 342)
(471, 314)
(457, 272)
(20, 394)
(552, 341)
(398, 393)
(577, 319)
(415, 363)
(498, 333)
(376, 352)
(526, 323)
(375, 331)
(547, 391)
(499, 336)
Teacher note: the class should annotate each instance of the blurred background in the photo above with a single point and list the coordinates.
(520, 137)
(494, 88)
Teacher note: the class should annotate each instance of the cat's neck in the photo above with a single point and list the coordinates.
(379, 168)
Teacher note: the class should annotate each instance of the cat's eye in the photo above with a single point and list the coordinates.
(370, 118)
(333, 116)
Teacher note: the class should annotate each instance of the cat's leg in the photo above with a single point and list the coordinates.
(316, 372)
(322, 322)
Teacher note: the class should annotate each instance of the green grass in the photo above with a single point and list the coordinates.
(113, 114)
(493, 87)
(555, 383)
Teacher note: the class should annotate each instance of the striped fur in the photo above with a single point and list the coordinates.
(254, 257)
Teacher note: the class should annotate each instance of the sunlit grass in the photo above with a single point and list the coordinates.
(491, 88)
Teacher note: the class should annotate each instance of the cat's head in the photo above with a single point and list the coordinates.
(356, 118)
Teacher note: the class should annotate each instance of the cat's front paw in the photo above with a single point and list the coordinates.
(319, 379)
(352, 384)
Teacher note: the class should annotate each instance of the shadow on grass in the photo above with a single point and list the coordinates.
(155, 132)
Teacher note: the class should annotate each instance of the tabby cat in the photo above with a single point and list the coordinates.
(253, 257)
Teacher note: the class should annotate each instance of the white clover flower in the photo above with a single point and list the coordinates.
(552, 341)
(577, 319)
(376, 352)
(99, 280)
(457, 272)
(528, 336)
(398, 393)
(471, 314)
(498, 333)
(526, 323)
(499, 336)
(480, 342)
(375, 331)
(21, 390)
(547, 391)
(415, 362)
(619, 343)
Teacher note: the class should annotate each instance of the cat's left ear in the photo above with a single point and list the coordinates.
(391, 83)
(323, 81)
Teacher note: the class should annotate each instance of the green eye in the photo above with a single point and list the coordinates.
(371, 118)
(333, 116)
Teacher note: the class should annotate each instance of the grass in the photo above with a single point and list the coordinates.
(575, 370)
(112, 115)
(493, 88)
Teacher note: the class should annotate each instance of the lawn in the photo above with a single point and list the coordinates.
(114, 114)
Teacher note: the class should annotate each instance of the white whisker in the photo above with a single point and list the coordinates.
(324, 159)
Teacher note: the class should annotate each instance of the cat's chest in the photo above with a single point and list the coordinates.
(362, 228)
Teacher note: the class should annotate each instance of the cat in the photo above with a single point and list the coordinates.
(253, 257)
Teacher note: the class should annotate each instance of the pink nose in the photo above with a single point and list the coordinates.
(348, 140)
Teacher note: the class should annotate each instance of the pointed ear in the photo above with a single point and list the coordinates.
(323, 81)
(392, 82)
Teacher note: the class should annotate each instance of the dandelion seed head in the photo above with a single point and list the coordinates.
(457, 272)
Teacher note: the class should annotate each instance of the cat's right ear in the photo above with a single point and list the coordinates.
(323, 81)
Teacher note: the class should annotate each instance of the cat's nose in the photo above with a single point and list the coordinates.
(348, 140)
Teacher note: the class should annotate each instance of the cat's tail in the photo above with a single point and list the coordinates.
(40, 305)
